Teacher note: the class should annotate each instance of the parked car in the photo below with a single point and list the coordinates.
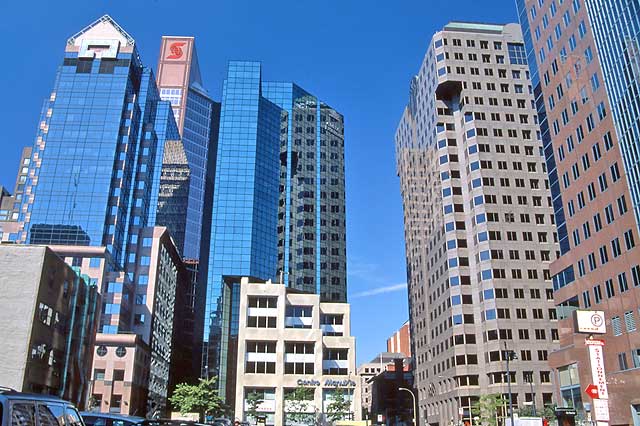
(94, 418)
(25, 409)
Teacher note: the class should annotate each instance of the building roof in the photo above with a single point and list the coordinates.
(386, 357)
(101, 28)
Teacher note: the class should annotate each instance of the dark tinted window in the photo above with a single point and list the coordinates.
(23, 414)
(94, 421)
(50, 414)
(72, 417)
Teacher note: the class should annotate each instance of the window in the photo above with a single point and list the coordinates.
(118, 375)
(608, 285)
(261, 358)
(629, 321)
(517, 53)
(98, 374)
(50, 414)
(622, 361)
(616, 325)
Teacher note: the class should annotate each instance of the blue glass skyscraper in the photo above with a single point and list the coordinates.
(244, 235)
(278, 208)
(95, 166)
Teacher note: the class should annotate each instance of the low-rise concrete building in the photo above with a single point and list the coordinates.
(384, 361)
(288, 340)
(48, 314)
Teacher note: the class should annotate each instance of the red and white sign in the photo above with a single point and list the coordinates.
(596, 357)
(592, 391)
(601, 410)
(590, 322)
(175, 50)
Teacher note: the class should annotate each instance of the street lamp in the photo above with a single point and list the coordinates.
(415, 405)
(511, 355)
(533, 395)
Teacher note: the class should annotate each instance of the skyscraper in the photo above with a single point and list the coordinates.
(479, 225)
(311, 213)
(278, 208)
(91, 192)
(196, 114)
(581, 77)
(95, 167)
(174, 191)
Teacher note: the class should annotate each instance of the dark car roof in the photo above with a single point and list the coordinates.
(124, 417)
(13, 394)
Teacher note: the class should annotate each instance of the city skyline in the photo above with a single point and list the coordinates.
(375, 260)
(265, 210)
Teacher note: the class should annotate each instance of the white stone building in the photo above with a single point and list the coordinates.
(289, 340)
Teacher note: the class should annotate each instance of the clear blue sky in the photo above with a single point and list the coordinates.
(358, 56)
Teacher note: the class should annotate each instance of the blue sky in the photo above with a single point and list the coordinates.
(358, 56)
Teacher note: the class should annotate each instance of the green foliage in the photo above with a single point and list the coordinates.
(548, 412)
(489, 409)
(338, 406)
(254, 399)
(298, 402)
(201, 398)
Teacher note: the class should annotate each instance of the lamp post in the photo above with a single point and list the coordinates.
(533, 395)
(415, 405)
(510, 355)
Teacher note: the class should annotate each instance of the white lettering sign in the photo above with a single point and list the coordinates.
(596, 357)
(601, 410)
(590, 322)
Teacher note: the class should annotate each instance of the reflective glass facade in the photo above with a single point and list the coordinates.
(311, 215)
(196, 115)
(278, 205)
(616, 25)
(245, 205)
(95, 168)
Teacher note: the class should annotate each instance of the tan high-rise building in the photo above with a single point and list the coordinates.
(599, 264)
(479, 225)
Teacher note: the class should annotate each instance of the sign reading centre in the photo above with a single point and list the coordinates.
(589, 322)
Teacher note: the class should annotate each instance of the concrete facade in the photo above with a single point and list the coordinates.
(287, 340)
(49, 316)
(479, 224)
(599, 264)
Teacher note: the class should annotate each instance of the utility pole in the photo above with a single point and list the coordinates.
(533, 395)
(510, 355)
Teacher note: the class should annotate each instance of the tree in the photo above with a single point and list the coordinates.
(487, 409)
(338, 406)
(548, 412)
(297, 405)
(201, 398)
(254, 400)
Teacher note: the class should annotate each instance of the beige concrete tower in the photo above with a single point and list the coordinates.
(479, 225)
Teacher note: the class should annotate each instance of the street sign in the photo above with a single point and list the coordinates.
(601, 410)
(592, 391)
(596, 356)
(589, 322)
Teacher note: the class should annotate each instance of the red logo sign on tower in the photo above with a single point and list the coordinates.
(176, 50)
